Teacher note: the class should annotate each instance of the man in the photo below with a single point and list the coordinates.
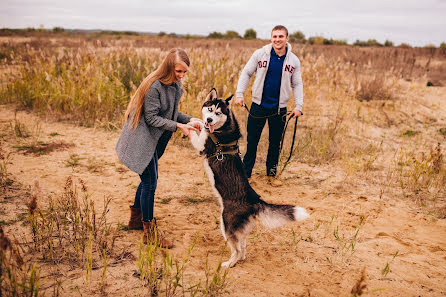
(277, 75)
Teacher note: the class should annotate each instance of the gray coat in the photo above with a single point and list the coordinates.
(135, 148)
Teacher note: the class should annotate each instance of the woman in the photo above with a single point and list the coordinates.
(151, 118)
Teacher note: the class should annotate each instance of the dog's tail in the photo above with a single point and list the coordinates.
(273, 215)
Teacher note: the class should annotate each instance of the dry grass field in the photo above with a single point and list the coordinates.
(369, 164)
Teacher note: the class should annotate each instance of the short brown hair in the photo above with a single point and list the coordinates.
(280, 27)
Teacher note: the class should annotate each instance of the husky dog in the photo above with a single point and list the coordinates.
(240, 204)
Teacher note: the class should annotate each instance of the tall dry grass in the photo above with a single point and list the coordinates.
(90, 80)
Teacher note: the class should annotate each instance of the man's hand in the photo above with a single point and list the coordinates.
(296, 113)
(240, 101)
(185, 128)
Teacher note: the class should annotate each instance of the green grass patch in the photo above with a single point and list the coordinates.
(42, 148)
(410, 133)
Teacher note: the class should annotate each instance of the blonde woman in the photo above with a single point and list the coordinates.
(151, 117)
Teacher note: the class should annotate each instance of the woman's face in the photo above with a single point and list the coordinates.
(180, 71)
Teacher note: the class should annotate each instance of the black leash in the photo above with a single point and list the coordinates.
(284, 129)
(294, 137)
(264, 117)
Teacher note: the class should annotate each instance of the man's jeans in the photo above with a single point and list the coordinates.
(276, 123)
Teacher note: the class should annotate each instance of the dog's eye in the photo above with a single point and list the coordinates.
(218, 113)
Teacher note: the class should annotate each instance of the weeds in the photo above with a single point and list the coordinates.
(17, 278)
(374, 88)
(5, 181)
(73, 161)
(410, 133)
(40, 148)
(386, 268)
(20, 130)
(360, 285)
(345, 245)
(70, 230)
(164, 275)
(422, 175)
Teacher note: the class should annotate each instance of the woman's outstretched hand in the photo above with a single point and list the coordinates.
(196, 123)
(185, 128)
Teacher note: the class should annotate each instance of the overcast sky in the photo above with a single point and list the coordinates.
(417, 22)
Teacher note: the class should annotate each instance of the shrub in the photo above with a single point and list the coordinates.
(232, 35)
(318, 40)
(370, 42)
(373, 88)
(250, 34)
(58, 29)
(404, 45)
(388, 43)
(215, 35)
(423, 175)
(17, 278)
(297, 36)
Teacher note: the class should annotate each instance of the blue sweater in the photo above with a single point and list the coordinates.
(273, 78)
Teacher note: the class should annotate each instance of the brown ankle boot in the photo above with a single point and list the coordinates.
(151, 234)
(135, 222)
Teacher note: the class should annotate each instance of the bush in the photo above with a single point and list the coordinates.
(370, 42)
(318, 40)
(374, 88)
(404, 45)
(232, 35)
(297, 36)
(388, 43)
(58, 29)
(215, 35)
(250, 34)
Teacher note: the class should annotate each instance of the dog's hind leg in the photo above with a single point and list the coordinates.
(243, 248)
(242, 236)
(236, 252)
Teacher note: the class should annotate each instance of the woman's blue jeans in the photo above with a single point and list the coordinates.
(145, 194)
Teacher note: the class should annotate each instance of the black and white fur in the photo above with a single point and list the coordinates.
(240, 204)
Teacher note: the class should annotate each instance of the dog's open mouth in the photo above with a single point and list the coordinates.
(210, 127)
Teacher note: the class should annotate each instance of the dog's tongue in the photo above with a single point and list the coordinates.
(211, 128)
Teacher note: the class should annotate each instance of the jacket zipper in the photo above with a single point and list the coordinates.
(284, 63)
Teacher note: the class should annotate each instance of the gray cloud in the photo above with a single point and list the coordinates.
(411, 21)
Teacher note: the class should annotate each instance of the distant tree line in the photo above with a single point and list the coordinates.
(299, 37)
(295, 37)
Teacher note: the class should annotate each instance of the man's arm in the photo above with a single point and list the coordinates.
(243, 80)
(298, 90)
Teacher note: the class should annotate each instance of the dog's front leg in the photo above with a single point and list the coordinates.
(198, 141)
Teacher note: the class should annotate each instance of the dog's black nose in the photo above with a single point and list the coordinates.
(209, 120)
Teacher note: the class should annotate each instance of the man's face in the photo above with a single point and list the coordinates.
(279, 38)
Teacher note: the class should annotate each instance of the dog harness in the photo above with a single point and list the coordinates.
(223, 148)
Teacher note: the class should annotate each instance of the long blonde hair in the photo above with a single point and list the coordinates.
(165, 73)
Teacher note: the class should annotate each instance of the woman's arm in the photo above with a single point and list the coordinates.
(152, 108)
(183, 118)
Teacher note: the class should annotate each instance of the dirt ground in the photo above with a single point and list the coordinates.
(301, 259)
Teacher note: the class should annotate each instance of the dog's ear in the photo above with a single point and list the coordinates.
(229, 99)
(212, 94)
